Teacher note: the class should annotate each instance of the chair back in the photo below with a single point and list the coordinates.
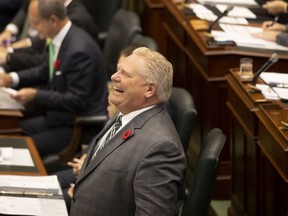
(204, 176)
(183, 113)
(102, 11)
(147, 41)
(124, 26)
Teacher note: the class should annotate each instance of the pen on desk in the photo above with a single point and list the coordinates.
(274, 21)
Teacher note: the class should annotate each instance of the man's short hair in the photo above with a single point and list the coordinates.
(47, 8)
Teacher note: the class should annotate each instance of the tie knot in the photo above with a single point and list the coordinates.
(119, 119)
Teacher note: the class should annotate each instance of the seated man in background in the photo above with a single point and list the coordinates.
(136, 164)
(31, 51)
(76, 85)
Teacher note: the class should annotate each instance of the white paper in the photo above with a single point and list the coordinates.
(242, 37)
(282, 93)
(237, 11)
(32, 206)
(19, 205)
(267, 91)
(19, 157)
(41, 184)
(230, 2)
(6, 102)
(275, 79)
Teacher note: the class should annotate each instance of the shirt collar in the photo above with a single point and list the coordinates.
(128, 117)
(67, 2)
(58, 39)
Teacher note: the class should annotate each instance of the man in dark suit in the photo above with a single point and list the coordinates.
(137, 169)
(78, 84)
(30, 51)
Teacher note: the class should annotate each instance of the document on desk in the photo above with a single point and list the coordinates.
(275, 79)
(230, 2)
(7, 102)
(27, 185)
(204, 13)
(237, 11)
(16, 157)
(32, 206)
(31, 195)
(241, 35)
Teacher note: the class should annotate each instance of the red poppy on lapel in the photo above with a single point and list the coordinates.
(126, 134)
(57, 64)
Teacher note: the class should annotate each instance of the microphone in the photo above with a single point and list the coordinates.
(229, 8)
(272, 60)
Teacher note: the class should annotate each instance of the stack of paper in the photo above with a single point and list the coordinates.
(267, 91)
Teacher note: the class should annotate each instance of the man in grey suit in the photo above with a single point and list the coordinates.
(140, 170)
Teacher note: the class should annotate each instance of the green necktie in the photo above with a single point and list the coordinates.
(51, 58)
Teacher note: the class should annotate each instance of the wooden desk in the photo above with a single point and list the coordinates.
(259, 152)
(22, 142)
(201, 70)
(10, 121)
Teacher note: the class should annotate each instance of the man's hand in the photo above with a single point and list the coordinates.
(271, 26)
(25, 95)
(5, 80)
(77, 164)
(267, 35)
(5, 35)
(71, 190)
(275, 7)
(3, 56)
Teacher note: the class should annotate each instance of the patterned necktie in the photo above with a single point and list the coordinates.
(117, 124)
(115, 127)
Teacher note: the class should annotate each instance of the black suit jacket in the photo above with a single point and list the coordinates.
(78, 86)
(35, 55)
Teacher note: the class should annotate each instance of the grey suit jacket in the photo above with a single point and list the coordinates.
(139, 171)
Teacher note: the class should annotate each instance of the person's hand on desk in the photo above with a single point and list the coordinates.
(275, 7)
(25, 95)
(5, 80)
(271, 26)
(5, 36)
(267, 35)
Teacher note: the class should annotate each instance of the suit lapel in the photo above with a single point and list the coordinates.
(116, 141)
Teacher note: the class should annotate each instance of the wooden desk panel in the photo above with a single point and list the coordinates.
(22, 142)
(259, 153)
(10, 121)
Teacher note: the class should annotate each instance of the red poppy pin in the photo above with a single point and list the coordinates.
(57, 64)
(126, 134)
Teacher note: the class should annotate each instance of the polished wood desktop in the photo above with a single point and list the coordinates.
(201, 69)
(259, 150)
(26, 143)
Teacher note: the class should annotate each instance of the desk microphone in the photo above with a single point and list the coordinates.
(229, 8)
(273, 59)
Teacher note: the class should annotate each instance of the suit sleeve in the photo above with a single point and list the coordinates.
(158, 181)
(282, 39)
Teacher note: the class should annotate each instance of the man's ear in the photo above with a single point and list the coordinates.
(151, 90)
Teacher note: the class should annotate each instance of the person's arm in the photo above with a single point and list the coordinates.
(275, 7)
(282, 39)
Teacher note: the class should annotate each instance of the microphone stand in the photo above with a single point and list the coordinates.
(210, 40)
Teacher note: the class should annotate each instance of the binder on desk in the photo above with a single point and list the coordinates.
(31, 195)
